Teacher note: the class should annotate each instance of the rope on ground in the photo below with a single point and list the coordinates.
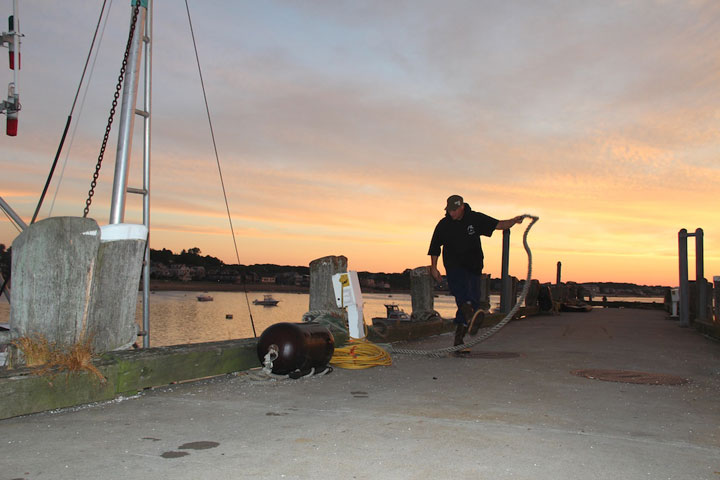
(360, 354)
(489, 331)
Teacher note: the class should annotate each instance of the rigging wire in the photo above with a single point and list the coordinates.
(82, 108)
(12, 222)
(69, 119)
(217, 159)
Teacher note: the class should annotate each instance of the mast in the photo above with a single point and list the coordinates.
(127, 118)
(142, 34)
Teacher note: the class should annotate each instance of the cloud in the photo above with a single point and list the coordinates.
(343, 127)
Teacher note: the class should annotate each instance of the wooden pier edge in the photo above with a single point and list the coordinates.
(126, 373)
(129, 372)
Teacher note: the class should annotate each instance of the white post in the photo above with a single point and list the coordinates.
(349, 296)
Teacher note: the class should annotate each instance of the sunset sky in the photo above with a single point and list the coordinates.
(342, 127)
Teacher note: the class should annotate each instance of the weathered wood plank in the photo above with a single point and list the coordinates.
(127, 373)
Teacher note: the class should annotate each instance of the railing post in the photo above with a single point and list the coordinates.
(684, 284)
(700, 275)
(716, 295)
(506, 300)
(557, 294)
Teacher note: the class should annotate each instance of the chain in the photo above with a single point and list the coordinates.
(93, 184)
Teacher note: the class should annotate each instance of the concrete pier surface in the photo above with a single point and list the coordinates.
(515, 410)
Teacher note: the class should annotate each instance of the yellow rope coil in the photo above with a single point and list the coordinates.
(360, 354)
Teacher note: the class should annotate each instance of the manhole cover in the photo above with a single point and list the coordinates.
(472, 354)
(629, 376)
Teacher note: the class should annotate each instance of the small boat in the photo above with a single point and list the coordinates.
(267, 301)
(394, 314)
(205, 298)
(575, 307)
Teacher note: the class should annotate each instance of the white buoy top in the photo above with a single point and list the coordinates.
(123, 231)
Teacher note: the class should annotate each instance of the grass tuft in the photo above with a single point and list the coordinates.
(39, 352)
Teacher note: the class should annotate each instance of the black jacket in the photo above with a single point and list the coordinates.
(460, 240)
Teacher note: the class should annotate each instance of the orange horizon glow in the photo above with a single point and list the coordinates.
(343, 131)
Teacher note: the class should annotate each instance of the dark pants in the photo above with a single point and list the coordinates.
(465, 287)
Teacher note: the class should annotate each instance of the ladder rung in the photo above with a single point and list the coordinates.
(142, 113)
(139, 191)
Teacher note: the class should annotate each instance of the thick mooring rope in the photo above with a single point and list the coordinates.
(487, 332)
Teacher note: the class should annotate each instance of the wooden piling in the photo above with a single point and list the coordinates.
(322, 294)
(421, 292)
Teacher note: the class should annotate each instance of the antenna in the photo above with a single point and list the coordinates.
(11, 40)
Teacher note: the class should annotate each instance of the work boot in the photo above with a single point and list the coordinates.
(460, 332)
(467, 311)
(476, 322)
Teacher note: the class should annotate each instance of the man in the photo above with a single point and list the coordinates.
(458, 233)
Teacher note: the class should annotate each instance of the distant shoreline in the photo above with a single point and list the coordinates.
(168, 285)
(174, 285)
(195, 286)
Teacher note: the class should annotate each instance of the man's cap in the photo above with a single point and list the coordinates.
(453, 203)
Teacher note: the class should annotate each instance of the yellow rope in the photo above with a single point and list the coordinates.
(360, 354)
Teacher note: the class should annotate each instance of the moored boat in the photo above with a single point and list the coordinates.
(267, 301)
(394, 314)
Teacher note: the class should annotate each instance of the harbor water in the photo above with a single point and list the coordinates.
(177, 317)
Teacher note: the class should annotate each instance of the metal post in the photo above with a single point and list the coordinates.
(558, 277)
(716, 295)
(700, 276)
(127, 120)
(146, 172)
(16, 49)
(557, 294)
(684, 284)
(506, 300)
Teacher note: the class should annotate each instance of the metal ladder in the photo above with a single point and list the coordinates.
(143, 34)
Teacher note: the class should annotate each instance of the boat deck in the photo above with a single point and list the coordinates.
(514, 410)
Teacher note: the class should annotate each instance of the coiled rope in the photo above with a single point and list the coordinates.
(360, 354)
(489, 331)
(363, 354)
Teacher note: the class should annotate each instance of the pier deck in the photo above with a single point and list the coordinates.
(521, 414)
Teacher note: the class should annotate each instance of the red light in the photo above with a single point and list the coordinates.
(12, 124)
(12, 61)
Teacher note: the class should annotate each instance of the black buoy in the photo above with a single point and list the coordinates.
(300, 347)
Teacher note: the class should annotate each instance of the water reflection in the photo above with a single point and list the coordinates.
(178, 317)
